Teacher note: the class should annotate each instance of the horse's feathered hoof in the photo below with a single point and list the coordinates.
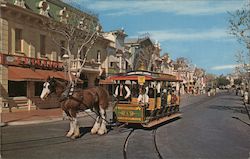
(69, 134)
(75, 136)
(102, 131)
(94, 131)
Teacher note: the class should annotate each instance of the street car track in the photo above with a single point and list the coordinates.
(155, 143)
(126, 143)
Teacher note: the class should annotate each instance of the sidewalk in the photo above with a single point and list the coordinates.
(31, 117)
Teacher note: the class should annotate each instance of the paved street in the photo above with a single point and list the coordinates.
(210, 127)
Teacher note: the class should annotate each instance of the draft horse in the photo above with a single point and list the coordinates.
(94, 98)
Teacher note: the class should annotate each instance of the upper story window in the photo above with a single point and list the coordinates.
(83, 52)
(42, 45)
(98, 56)
(18, 40)
(112, 64)
(62, 50)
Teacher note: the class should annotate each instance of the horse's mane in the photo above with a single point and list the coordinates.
(61, 81)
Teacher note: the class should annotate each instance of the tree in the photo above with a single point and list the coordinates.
(222, 81)
(182, 63)
(240, 28)
(80, 31)
(237, 81)
(210, 80)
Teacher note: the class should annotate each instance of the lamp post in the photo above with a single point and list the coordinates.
(65, 59)
(119, 55)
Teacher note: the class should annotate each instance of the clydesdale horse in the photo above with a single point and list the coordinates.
(94, 98)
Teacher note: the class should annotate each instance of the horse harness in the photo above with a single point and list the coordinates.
(68, 94)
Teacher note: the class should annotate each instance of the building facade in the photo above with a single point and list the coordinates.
(30, 51)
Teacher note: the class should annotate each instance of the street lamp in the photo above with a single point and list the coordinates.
(65, 59)
(119, 55)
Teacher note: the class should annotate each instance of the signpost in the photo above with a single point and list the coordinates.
(141, 80)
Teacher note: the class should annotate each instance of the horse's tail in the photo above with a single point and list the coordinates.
(103, 94)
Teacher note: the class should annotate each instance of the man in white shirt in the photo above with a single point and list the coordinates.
(122, 92)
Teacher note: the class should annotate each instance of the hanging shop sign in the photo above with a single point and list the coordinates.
(30, 62)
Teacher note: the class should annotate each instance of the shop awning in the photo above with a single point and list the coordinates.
(106, 81)
(27, 74)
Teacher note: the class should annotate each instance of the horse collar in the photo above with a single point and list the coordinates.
(68, 92)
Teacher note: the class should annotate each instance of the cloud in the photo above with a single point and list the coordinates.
(181, 7)
(188, 34)
(224, 67)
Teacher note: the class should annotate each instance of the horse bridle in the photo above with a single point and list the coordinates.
(52, 85)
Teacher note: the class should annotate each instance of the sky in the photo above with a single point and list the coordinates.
(195, 29)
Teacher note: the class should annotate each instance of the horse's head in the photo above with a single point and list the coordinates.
(48, 87)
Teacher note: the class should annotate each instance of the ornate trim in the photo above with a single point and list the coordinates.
(20, 3)
(44, 8)
(63, 14)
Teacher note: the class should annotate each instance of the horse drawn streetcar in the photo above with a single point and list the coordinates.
(143, 97)
(146, 98)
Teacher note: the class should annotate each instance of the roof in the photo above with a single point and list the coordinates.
(54, 8)
(149, 76)
(131, 41)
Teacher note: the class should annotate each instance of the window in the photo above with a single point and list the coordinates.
(38, 88)
(42, 45)
(112, 64)
(83, 52)
(18, 40)
(98, 56)
(17, 88)
(62, 51)
(127, 65)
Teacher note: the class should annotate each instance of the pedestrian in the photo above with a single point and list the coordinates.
(209, 92)
(245, 97)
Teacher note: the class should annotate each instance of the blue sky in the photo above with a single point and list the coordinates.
(195, 29)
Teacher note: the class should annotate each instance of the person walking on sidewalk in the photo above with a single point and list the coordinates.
(245, 99)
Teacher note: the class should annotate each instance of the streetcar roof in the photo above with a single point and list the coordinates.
(149, 76)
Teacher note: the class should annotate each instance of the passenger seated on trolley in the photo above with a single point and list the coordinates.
(169, 97)
(143, 96)
(164, 97)
(122, 92)
(173, 98)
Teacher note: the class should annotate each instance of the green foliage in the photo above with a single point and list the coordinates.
(222, 81)
(237, 81)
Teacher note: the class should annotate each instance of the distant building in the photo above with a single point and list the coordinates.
(115, 61)
(144, 53)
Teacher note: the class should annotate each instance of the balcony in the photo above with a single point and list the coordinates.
(90, 66)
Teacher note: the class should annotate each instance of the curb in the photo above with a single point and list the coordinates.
(16, 123)
(52, 119)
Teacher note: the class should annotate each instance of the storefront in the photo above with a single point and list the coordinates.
(25, 81)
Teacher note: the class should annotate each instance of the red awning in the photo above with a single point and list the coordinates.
(132, 78)
(27, 74)
(106, 81)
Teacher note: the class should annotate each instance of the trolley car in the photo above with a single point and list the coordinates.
(154, 98)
